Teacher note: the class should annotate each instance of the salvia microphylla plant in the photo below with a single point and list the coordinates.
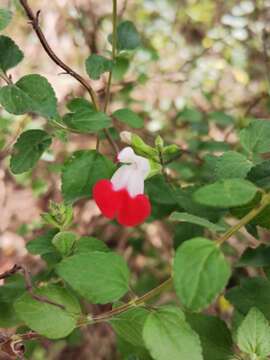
(84, 270)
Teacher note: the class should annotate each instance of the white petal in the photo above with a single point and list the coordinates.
(126, 155)
(130, 178)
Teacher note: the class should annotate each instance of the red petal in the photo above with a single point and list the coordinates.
(134, 211)
(106, 198)
(129, 211)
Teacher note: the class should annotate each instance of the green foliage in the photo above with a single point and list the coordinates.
(129, 117)
(96, 65)
(81, 171)
(127, 36)
(198, 263)
(232, 165)
(32, 93)
(253, 335)
(64, 242)
(168, 336)
(28, 150)
(185, 217)
(10, 54)
(87, 244)
(5, 18)
(110, 275)
(258, 257)
(226, 193)
(42, 244)
(59, 322)
(215, 336)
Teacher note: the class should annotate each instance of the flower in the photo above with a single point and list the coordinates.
(122, 197)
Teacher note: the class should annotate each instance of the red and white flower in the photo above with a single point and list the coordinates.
(122, 197)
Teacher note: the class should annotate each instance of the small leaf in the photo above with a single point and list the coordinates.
(96, 65)
(232, 165)
(253, 335)
(46, 319)
(198, 263)
(128, 37)
(168, 336)
(64, 242)
(88, 244)
(260, 175)
(129, 117)
(99, 277)
(87, 121)
(32, 93)
(258, 257)
(226, 193)
(193, 219)
(80, 173)
(5, 18)
(10, 54)
(215, 336)
(28, 150)
(255, 139)
(129, 325)
(79, 104)
(42, 244)
(120, 68)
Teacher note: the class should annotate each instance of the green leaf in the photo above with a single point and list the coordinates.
(42, 244)
(258, 257)
(253, 292)
(88, 244)
(198, 263)
(128, 37)
(129, 117)
(226, 193)
(8, 317)
(120, 68)
(46, 319)
(260, 175)
(214, 334)
(193, 219)
(64, 242)
(79, 104)
(5, 18)
(10, 54)
(168, 336)
(232, 165)
(28, 149)
(253, 335)
(109, 276)
(255, 139)
(87, 121)
(80, 173)
(32, 93)
(160, 191)
(221, 118)
(129, 325)
(191, 115)
(96, 65)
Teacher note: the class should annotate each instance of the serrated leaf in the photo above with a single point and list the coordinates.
(226, 193)
(28, 149)
(87, 121)
(254, 292)
(64, 242)
(32, 93)
(46, 319)
(253, 335)
(97, 276)
(258, 257)
(80, 173)
(129, 325)
(96, 65)
(129, 117)
(168, 336)
(214, 334)
(128, 37)
(255, 139)
(88, 244)
(198, 263)
(5, 18)
(232, 165)
(193, 219)
(10, 54)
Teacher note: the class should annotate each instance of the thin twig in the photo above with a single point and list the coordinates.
(265, 37)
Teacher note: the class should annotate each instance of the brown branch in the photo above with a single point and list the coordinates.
(28, 284)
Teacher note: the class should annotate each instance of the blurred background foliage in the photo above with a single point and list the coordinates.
(201, 73)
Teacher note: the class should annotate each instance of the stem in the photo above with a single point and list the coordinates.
(133, 303)
(265, 200)
(114, 43)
